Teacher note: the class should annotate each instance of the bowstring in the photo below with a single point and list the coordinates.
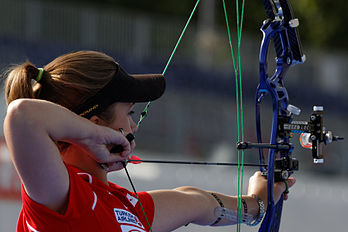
(239, 99)
(136, 194)
(145, 111)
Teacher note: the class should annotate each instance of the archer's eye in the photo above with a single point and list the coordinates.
(131, 113)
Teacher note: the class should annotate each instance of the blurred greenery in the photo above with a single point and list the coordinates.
(323, 22)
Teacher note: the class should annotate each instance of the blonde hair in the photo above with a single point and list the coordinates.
(68, 80)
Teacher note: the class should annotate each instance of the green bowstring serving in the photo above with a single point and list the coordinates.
(239, 98)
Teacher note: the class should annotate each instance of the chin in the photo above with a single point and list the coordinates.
(115, 167)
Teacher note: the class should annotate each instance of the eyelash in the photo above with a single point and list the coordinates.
(131, 113)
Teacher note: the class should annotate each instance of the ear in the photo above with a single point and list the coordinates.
(96, 120)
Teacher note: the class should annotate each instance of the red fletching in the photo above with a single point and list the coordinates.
(134, 159)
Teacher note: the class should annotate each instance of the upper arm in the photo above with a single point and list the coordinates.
(35, 156)
(178, 207)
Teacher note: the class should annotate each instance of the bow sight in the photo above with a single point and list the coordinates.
(313, 136)
(313, 132)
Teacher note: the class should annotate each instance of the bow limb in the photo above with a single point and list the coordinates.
(275, 28)
(273, 87)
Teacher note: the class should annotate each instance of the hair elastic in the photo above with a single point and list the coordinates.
(39, 75)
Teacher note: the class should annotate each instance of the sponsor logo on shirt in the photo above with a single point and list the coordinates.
(125, 228)
(125, 217)
(132, 199)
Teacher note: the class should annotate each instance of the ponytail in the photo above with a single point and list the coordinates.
(19, 83)
(68, 80)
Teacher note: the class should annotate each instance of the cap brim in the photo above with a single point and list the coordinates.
(124, 87)
(139, 87)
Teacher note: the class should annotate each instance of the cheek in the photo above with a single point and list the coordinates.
(120, 122)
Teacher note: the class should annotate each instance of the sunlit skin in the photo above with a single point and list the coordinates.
(91, 142)
(172, 205)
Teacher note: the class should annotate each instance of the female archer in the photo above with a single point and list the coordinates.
(71, 126)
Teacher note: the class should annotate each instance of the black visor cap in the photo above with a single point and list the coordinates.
(124, 87)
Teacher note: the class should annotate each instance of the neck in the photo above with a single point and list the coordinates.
(80, 159)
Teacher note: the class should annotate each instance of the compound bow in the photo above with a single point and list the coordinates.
(280, 27)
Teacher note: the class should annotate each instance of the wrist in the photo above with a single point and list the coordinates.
(253, 206)
(260, 212)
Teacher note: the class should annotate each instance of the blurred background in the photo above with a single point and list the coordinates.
(196, 118)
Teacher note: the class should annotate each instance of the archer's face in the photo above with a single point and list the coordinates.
(122, 119)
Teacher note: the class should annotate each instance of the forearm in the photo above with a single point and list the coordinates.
(214, 200)
(174, 208)
(228, 205)
(32, 127)
(45, 117)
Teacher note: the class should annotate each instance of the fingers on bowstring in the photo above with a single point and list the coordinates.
(125, 144)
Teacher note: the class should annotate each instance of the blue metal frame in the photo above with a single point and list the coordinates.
(276, 29)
